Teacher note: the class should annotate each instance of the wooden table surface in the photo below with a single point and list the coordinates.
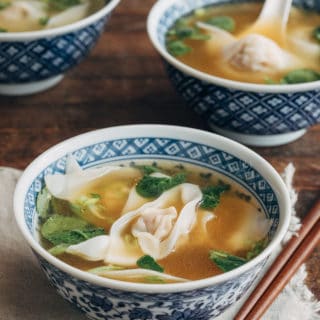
(123, 82)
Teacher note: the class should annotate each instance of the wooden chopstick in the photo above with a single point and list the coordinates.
(284, 267)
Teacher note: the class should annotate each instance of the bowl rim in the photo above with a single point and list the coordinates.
(166, 131)
(153, 18)
(68, 28)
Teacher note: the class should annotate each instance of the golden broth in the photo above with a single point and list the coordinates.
(190, 259)
(206, 55)
(32, 15)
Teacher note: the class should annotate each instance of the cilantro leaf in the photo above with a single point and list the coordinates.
(178, 48)
(316, 33)
(226, 261)
(257, 247)
(211, 195)
(148, 169)
(150, 187)
(300, 76)
(222, 22)
(147, 262)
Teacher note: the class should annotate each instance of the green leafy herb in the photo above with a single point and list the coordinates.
(60, 5)
(258, 247)
(68, 230)
(101, 270)
(4, 4)
(181, 31)
(154, 279)
(44, 21)
(188, 32)
(316, 33)
(43, 203)
(150, 187)
(90, 202)
(147, 262)
(222, 22)
(300, 76)
(268, 80)
(58, 249)
(211, 195)
(148, 169)
(184, 32)
(3, 30)
(178, 48)
(225, 261)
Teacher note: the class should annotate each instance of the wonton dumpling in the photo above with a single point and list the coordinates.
(157, 237)
(258, 53)
(22, 15)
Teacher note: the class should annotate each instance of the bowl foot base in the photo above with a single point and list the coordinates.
(16, 89)
(271, 140)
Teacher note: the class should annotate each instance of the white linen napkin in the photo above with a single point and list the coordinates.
(26, 294)
(296, 301)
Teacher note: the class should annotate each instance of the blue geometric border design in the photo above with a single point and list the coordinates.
(162, 148)
(244, 111)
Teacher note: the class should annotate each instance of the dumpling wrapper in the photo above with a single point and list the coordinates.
(93, 249)
(68, 16)
(300, 38)
(252, 229)
(64, 186)
(137, 273)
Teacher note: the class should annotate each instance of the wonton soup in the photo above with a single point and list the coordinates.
(150, 222)
(30, 15)
(228, 51)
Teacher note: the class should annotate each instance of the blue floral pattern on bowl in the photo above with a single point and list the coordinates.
(43, 58)
(99, 302)
(235, 110)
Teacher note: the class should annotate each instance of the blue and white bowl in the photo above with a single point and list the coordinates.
(254, 114)
(34, 61)
(101, 298)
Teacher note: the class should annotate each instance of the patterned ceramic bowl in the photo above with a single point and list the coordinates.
(255, 114)
(101, 298)
(34, 61)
